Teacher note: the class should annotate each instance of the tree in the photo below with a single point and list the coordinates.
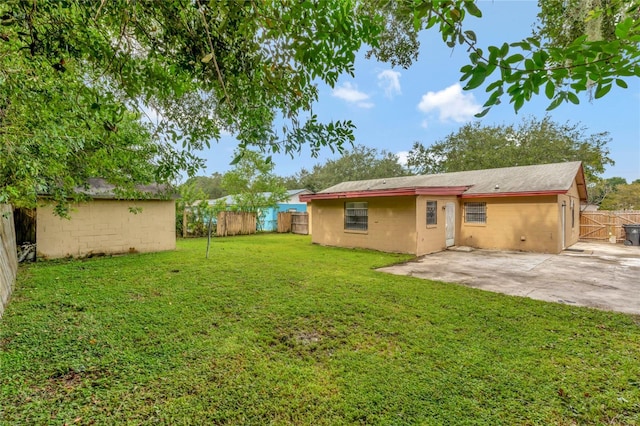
(596, 47)
(210, 185)
(358, 164)
(600, 189)
(616, 181)
(533, 141)
(625, 197)
(253, 185)
(198, 68)
(189, 209)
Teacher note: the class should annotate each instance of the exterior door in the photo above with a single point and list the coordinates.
(563, 220)
(450, 224)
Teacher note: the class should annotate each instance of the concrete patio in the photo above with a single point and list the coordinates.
(598, 275)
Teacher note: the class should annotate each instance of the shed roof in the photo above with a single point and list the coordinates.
(539, 179)
(99, 188)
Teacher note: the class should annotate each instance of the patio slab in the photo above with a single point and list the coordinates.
(598, 275)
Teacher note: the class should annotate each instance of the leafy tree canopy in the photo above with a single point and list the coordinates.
(70, 70)
(252, 183)
(533, 141)
(579, 45)
(211, 186)
(358, 164)
(624, 197)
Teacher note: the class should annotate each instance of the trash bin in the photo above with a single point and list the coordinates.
(632, 234)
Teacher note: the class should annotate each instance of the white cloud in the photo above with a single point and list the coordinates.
(402, 157)
(424, 124)
(390, 81)
(451, 103)
(350, 93)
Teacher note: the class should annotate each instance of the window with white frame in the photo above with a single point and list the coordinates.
(475, 212)
(432, 212)
(356, 216)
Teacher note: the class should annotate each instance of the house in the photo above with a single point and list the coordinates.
(107, 224)
(268, 217)
(529, 208)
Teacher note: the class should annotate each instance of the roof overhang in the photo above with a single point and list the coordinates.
(396, 192)
(581, 183)
(513, 194)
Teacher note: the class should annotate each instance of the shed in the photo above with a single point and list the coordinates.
(529, 208)
(108, 224)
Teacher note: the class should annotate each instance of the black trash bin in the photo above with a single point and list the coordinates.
(632, 234)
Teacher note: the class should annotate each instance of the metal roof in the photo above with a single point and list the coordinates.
(542, 178)
(230, 200)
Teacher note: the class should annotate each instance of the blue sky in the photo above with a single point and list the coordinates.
(393, 108)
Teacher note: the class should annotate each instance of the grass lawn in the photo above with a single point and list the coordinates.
(271, 329)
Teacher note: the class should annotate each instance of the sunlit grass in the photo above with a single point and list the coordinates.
(272, 329)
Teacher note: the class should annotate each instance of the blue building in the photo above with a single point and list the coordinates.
(268, 218)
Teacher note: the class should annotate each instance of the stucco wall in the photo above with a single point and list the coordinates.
(392, 224)
(106, 226)
(8, 255)
(431, 238)
(572, 227)
(514, 223)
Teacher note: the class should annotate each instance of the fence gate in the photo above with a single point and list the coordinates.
(284, 222)
(25, 224)
(601, 225)
(300, 223)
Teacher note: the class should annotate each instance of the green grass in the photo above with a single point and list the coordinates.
(273, 330)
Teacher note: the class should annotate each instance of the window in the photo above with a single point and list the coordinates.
(356, 216)
(432, 212)
(573, 214)
(475, 212)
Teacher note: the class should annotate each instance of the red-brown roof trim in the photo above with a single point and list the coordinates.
(396, 192)
(403, 192)
(514, 194)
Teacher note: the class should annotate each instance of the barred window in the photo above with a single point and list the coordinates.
(356, 216)
(432, 212)
(475, 212)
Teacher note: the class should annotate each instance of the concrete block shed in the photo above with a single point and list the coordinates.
(106, 224)
(528, 208)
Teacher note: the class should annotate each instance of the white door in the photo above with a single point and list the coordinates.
(450, 224)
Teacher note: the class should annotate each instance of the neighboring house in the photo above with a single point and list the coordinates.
(528, 208)
(106, 224)
(590, 207)
(268, 218)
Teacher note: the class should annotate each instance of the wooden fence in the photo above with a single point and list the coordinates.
(300, 223)
(8, 255)
(235, 223)
(601, 225)
(294, 222)
(284, 222)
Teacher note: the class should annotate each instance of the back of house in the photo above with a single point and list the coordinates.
(528, 208)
